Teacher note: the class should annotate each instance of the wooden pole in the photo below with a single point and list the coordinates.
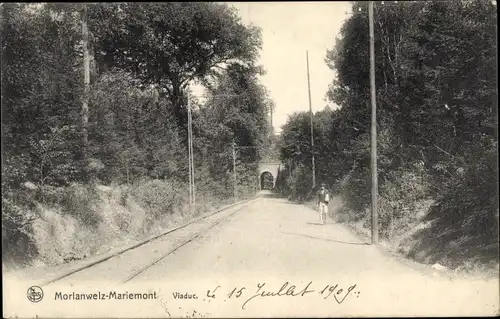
(373, 128)
(86, 79)
(311, 115)
(192, 155)
(189, 160)
(234, 171)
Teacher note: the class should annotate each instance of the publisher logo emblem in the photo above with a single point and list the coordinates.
(34, 294)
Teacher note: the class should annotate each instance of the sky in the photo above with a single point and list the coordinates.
(288, 30)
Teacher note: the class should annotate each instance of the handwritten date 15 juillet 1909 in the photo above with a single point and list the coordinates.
(262, 290)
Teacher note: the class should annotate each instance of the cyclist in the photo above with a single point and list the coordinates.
(323, 199)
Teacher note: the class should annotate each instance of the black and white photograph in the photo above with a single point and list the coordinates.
(250, 159)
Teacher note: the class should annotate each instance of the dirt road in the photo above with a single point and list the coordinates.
(269, 259)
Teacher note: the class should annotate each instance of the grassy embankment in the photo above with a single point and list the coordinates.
(72, 223)
(447, 230)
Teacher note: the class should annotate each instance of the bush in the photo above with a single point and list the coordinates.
(465, 217)
(402, 195)
(159, 199)
(53, 225)
(77, 200)
(299, 182)
(18, 243)
(356, 194)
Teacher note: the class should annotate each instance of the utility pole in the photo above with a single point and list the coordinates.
(189, 160)
(192, 156)
(272, 106)
(259, 186)
(373, 128)
(86, 79)
(234, 171)
(272, 111)
(311, 114)
(192, 197)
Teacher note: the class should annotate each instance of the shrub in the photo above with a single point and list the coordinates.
(356, 193)
(158, 198)
(464, 218)
(52, 225)
(81, 202)
(401, 196)
(299, 182)
(18, 243)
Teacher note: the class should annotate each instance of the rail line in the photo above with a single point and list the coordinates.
(244, 204)
(135, 274)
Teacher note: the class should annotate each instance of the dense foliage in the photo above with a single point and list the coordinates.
(143, 57)
(437, 124)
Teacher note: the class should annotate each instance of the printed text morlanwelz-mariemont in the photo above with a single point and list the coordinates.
(110, 295)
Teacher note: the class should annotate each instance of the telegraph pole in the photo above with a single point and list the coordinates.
(86, 78)
(272, 106)
(192, 198)
(311, 114)
(234, 171)
(373, 128)
(192, 155)
(189, 159)
(272, 111)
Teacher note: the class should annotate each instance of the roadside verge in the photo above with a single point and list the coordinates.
(47, 275)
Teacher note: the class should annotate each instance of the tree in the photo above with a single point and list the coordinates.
(171, 44)
(40, 78)
(236, 111)
(130, 133)
(141, 60)
(436, 117)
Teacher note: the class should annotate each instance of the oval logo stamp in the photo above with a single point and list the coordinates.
(34, 294)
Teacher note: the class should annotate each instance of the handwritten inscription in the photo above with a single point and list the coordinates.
(285, 290)
(262, 290)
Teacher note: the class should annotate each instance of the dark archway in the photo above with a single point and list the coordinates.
(266, 181)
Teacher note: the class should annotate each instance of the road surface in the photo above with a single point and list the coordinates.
(268, 259)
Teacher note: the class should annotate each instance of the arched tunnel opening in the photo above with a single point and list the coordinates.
(266, 181)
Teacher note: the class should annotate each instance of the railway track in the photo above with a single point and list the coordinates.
(124, 265)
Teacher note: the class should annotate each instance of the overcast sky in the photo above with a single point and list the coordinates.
(288, 30)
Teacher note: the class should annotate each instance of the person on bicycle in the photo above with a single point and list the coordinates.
(323, 199)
